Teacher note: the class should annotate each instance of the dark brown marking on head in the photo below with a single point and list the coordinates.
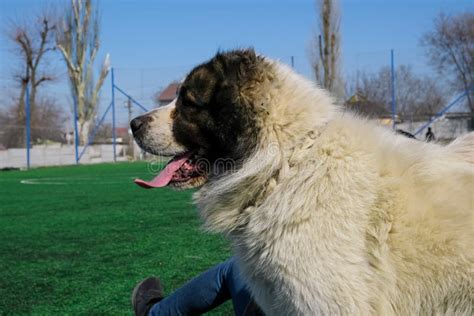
(212, 111)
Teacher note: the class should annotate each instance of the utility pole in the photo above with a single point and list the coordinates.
(130, 138)
(293, 62)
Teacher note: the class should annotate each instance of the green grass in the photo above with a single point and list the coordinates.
(79, 242)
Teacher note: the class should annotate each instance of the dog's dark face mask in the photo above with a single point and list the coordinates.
(214, 119)
(212, 113)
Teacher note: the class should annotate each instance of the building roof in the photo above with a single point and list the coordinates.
(169, 93)
(121, 131)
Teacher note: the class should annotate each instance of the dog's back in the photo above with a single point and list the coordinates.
(429, 245)
(463, 146)
(373, 223)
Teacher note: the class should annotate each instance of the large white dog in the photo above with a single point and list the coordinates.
(327, 212)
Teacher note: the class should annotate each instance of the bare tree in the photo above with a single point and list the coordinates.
(50, 117)
(450, 48)
(416, 95)
(78, 40)
(104, 134)
(32, 41)
(325, 48)
(46, 125)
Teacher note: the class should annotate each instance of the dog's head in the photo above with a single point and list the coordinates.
(211, 126)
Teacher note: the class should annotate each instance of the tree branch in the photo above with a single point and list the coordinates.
(67, 58)
(43, 79)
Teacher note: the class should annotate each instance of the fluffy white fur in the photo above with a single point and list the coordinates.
(333, 215)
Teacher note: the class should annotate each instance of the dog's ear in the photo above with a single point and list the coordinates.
(227, 70)
(200, 86)
(238, 64)
(247, 64)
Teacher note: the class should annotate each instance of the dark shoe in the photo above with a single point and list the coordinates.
(147, 293)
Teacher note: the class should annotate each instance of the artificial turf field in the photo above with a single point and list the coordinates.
(75, 240)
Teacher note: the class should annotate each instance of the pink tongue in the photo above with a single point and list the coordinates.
(165, 175)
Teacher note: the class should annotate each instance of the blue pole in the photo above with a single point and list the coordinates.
(76, 130)
(113, 114)
(394, 107)
(27, 123)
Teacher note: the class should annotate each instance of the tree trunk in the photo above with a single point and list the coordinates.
(20, 140)
(33, 97)
(326, 60)
(84, 130)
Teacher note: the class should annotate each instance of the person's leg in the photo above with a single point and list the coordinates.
(207, 291)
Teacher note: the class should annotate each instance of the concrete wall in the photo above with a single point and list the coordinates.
(54, 155)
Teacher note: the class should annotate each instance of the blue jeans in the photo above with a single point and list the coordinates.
(207, 291)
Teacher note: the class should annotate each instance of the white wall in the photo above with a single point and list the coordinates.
(54, 155)
(445, 129)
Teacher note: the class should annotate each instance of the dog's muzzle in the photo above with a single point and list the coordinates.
(140, 123)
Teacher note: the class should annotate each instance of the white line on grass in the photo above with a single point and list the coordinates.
(41, 181)
(71, 180)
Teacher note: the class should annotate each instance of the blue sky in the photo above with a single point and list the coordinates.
(154, 42)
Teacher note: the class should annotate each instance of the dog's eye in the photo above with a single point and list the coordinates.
(187, 103)
(190, 104)
(187, 99)
(186, 108)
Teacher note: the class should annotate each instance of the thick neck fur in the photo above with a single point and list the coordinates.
(290, 121)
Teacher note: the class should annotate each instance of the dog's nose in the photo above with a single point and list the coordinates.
(138, 122)
(135, 124)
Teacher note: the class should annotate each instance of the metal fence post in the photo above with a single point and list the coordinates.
(394, 108)
(113, 114)
(27, 123)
